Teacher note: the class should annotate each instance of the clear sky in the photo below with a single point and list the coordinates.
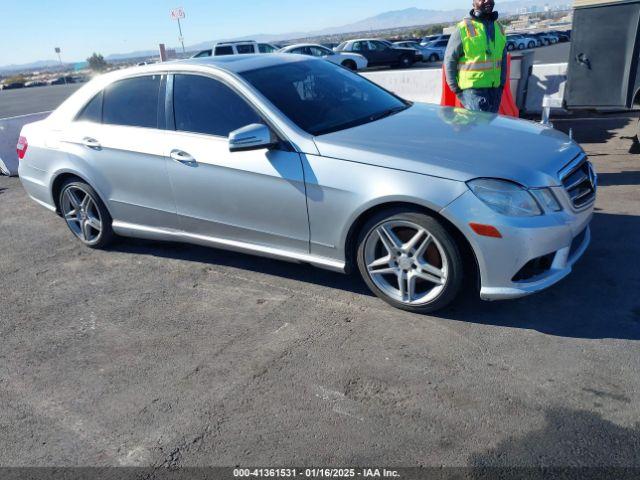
(32, 28)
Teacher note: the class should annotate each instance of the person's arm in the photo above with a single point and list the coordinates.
(451, 56)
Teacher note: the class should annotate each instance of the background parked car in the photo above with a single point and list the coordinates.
(438, 44)
(546, 38)
(352, 61)
(380, 52)
(564, 36)
(434, 38)
(520, 42)
(429, 53)
(237, 48)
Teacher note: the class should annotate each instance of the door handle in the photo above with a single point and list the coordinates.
(182, 157)
(91, 143)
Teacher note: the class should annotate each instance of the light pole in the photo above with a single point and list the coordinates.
(64, 77)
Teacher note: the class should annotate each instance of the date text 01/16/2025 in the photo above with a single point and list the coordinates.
(314, 473)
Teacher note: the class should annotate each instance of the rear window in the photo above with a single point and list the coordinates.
(226, 50)
(132, 102)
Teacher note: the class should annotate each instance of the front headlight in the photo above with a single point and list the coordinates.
(505, 197)
(546, 198)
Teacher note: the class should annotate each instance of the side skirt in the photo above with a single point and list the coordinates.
(152, 233)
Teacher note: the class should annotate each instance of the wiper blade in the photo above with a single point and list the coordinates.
(387, 113)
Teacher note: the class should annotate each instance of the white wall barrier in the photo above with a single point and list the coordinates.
(9, 133)
(425, 85)
(547, 79)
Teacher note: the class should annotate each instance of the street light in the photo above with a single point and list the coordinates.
(64, 77)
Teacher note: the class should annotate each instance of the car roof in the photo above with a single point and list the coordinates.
(235, 42)
(298, 45)
(240, 63)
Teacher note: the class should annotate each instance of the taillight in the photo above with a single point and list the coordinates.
(21, 148)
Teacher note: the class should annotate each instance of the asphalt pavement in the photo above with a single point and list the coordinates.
(160, 354)
(24, 101)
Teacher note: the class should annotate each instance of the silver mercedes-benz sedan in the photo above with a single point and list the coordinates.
(299, 159)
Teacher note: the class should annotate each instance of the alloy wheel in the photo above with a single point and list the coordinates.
(81, 214)
(406, 262)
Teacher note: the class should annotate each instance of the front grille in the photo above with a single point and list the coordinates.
(580, 181)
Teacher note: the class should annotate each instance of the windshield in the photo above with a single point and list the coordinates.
(321, 97)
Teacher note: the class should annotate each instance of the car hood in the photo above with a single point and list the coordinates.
(456, 144)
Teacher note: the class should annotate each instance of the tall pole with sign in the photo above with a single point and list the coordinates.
(177, 14)
(64, 77)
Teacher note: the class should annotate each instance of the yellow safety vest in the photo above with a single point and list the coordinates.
(481, 63)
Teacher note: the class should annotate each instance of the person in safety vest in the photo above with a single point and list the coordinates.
(475, 62)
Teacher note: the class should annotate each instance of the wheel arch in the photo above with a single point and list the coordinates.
(59, 180)
(351, 242)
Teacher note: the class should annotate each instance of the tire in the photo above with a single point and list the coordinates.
(511, 47)
(434, 57)
(532, 44)
(85, 214)
(350, 64)
(406, 61)
(434, 255)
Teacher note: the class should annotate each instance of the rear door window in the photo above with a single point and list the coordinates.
(132, 102)
(243, 49)
(205, 105)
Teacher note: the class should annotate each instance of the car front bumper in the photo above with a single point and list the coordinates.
(552, 242)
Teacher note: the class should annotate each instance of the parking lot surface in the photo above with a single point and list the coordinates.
(24, 101)
(160, 354)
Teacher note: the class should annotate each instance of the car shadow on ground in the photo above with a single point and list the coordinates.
(619, 178)
(294, 271)
(598, 300)
(609, 449)
(584, 131)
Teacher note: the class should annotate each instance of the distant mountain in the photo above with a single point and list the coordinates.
(407, 17)
(29, 66)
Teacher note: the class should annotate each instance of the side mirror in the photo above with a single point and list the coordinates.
(252, 137)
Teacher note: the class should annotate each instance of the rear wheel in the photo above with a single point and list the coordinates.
(350, 64)
(85, 214)
(410, 261)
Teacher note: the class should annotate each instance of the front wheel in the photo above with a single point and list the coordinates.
(410, 261)
(85, 214)
(406, 61)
